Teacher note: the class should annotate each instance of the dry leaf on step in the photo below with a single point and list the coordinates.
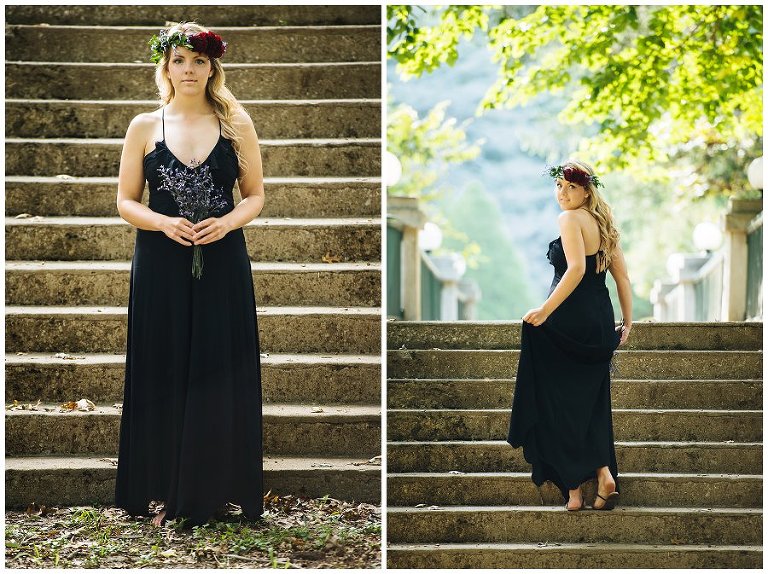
(317, 410)
(328, 258)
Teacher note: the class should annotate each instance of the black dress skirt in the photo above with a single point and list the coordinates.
(561, 411)
(191, 426)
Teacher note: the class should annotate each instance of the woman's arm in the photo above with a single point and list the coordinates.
(618, 269)
(130, 186)
(573, 245)
(251, 189)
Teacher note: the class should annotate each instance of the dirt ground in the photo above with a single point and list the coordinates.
(295, 532)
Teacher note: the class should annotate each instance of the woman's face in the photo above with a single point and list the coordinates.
(570, 195)
(188, 71)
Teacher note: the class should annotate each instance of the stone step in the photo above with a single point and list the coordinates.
(90, 43)
(536, 524)
(99, 81)
(275, 119)
(86, 480)
(626, 393)
(497, 364)
(637, 489)
(632, 456)
(101, 157)
(345, 431)
(285, 197)
(210, 16)
(112, 238)
(106, 283)
(315, 379)
(355, 330)
(506, 335)
(585, 555)
(628, 425)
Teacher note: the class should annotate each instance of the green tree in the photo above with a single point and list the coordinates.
(662, 87)
(502, 277)
(426, 147)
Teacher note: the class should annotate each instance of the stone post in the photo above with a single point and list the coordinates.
(407, 213)
(451, 268)
(735, 223)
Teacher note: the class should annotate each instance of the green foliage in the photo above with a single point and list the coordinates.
(426, 147)
(505, 293)
(425, 49)
(661, 84)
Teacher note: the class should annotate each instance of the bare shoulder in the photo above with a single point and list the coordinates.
(143, 126)
(569, 219)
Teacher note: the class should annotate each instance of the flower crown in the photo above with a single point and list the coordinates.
(572, 174)
(206, 43)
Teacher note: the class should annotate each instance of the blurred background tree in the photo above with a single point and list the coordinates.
(666, 90)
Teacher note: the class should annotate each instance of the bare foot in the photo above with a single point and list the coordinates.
(606, 485)
(575, 500)
(158, 519)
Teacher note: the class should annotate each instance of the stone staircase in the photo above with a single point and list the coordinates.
(310, 76)
(687, 415)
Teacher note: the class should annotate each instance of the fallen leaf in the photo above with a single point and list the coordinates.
(317, 410)
(68, 356)
(23, 216)
(328, 258)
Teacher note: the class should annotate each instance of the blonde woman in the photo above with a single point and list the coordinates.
(561, 411)
(190, 432)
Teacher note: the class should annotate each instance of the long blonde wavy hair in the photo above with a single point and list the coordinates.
(601, 211)
(224, 103)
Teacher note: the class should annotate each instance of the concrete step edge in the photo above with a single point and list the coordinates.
(613, 379)
(240, 29)
(563, 546)
(620, 410)
(313, 142)
(291, 411)
(271, 462)
(251, 102)
(258, 222)
(256, 266)
(678, 476)
(281, 359)
(624, 510)
(619, 443)
(308, 181)
(106, 311)
(227, 66)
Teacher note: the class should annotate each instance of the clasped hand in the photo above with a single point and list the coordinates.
(187, 233)
(536, 316)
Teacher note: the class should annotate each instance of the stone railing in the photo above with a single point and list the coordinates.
(422, 286)
(722, 286)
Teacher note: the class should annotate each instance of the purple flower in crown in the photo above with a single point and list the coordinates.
(197, 197)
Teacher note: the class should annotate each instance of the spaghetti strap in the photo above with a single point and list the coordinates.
(219, 127)
(163, 123)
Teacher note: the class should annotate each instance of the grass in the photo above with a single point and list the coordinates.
(294, 532)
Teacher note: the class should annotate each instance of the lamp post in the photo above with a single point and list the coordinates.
(707, 236)
(755, 173)
(430, 237)
(393, 169)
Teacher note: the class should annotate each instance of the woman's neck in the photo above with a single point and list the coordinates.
(186, 106)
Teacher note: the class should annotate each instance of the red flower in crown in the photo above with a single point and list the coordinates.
(576, 176)
(208, 43)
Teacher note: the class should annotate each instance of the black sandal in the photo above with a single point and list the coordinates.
(610, 502)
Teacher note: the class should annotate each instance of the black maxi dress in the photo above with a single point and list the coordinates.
(191, 426)
(561, 411)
